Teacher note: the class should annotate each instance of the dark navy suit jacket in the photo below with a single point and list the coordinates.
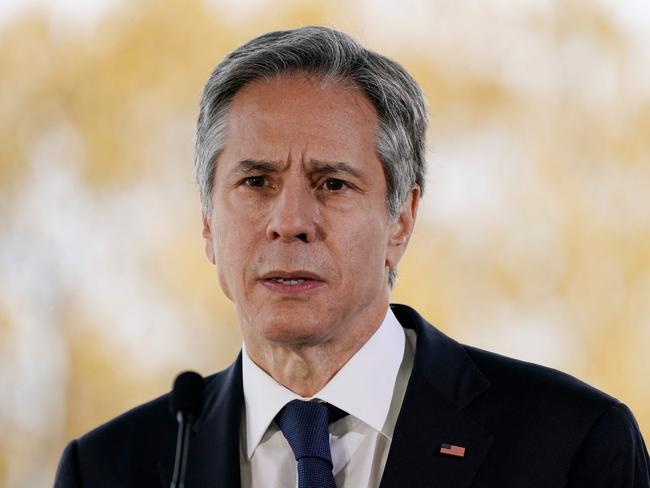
(522, 426)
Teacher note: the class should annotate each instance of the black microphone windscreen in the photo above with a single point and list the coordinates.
(187, 395)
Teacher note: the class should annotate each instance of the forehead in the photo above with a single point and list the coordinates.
(299, 113)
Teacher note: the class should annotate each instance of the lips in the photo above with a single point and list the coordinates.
(297, 281)
(292, 281)
(286, 276)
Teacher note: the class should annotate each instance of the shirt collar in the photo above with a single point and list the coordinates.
(363, 387)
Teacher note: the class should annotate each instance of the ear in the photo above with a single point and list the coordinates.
(402, 228)
(208, 238)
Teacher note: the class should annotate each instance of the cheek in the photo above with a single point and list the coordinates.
(365, 251)
(233, 250)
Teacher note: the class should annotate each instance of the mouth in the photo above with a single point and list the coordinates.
(292, 281)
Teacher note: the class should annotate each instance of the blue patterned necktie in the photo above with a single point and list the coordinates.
(305, 426)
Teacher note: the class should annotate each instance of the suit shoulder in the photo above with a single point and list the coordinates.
(138, 419)
(613, 453)
(526, 382)
(141, 421)
(541, 409)
(128, 447)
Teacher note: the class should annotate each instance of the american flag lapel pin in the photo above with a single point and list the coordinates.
(452, 450)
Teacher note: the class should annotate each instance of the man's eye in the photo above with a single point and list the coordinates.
(256, 181)
(333, 184)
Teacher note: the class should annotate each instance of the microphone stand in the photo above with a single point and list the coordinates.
(186, 402)
(182, 448)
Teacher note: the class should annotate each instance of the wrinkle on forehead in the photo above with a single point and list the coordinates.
(271, 93)
(302, 118)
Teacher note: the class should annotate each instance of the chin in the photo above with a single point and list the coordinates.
(295, 330)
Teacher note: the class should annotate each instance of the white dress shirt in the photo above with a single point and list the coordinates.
(370, 387)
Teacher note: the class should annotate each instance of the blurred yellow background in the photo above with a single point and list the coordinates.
(533, 238)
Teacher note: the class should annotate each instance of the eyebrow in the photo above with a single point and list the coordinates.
(251, 166)
(248, 166)
(335, 167)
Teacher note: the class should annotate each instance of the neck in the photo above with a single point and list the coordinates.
(306, 368)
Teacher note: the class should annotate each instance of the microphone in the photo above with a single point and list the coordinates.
(186, 403)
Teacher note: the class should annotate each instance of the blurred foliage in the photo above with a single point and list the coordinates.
(534, 232)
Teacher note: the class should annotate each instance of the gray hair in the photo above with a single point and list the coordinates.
(333, 56)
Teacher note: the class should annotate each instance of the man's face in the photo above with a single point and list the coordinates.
(299, 231)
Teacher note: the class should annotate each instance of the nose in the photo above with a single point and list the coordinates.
(293, 215)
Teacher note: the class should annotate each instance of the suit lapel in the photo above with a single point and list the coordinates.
(443, 382)
(214, 443)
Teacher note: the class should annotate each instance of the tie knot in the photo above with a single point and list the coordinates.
(305, 426)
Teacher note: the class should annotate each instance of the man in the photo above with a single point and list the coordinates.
(310, 165)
